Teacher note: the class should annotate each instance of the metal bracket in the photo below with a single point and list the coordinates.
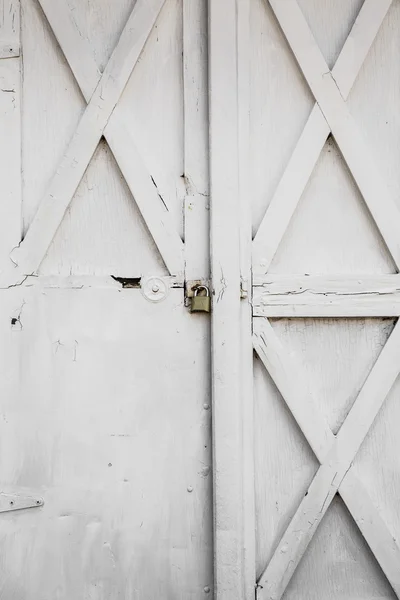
(9, 502)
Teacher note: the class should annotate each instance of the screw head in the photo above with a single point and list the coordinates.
(206, 406)
(190, 489)
(207, 590)
(155, 288)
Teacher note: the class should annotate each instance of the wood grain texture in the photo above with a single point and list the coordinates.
(122, 460)
(195, 176)
(227, 378)
(291, 296)
(10, 131)
(10, 28)
(245, 237)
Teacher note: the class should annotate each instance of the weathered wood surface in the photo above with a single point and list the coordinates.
(195, 177)
(105, 396)
(10, 130)
(325, 262)
(315, 133)
(121, 460)
(230, 266)
(318, 296)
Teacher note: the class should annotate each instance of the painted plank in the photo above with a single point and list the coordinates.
(141, 184)
(229, 571)
(283, 369)
(332, 471)
(9, 28)
(313, 138)
(195, 176)
(86, 138)
(10, 134)
(245, 236)
(348, 136)
(326, 296)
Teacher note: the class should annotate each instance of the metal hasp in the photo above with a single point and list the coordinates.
(201, 303)
(9, 502)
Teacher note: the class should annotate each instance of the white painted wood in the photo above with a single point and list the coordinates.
(348, 136)
(334, 468)
(87, 136)
(104, 395)
(227, 380)
(319, 296)
(112, 453)
(78, 282)
(245, 236)
(341, 281)
(9, 28)
(10, 131)
(141, 185)
(313, 138)
(299, 399)
(195, 176)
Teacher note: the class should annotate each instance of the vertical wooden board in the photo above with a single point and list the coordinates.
(280, 103)
(379, 82)
(245, 241)
(153, 107)
(229, 382)
(331, 230)
(120, 452)
(195, 176)
(10, 129)
(338, 564)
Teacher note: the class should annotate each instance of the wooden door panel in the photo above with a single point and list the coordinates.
(105, 395)
(325, 261)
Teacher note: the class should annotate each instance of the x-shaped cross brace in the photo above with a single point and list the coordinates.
(330, 114)
(335, 454)
(102, 116)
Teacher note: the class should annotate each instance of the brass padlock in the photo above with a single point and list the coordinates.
(201, 303)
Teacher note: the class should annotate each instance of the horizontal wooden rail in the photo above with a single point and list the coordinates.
(326, 296)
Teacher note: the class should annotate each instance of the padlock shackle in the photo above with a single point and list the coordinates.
(201, 287)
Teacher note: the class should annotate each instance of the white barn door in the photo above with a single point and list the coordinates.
(104, 374)
(305, 148)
